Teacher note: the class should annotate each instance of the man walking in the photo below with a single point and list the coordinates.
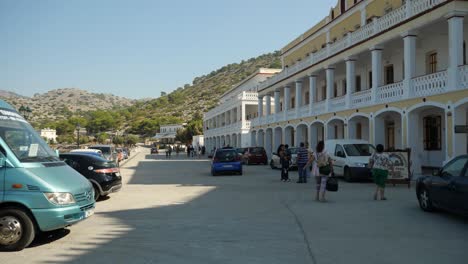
(302, 158)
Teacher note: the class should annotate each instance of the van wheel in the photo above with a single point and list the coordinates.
(347, 175)
(16, 229)
(97, 194)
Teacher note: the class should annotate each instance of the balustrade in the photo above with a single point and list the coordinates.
(390, 92)
(430, 84)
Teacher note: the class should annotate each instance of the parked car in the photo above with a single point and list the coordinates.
(95, 152)
(255, 155)
(103, 174)
(38, 192)
(350, 157)
(241, 152)
(226, 161)
(154, 150)
(127, 150)
(275, 159)
(108, 151)
(446, 189)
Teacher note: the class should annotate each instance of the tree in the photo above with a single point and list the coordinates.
(118, 140)
(163, 94)
(131, 140)
(102, 137)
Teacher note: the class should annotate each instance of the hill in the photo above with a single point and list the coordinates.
(59, 104)
(192, 100)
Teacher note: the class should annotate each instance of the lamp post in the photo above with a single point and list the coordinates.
(78, 128)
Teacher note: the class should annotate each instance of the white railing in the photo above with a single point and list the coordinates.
(390, 92)
(291, 114)
(337, 103)
(304, 111)
(246, 124)
(463, 77)
(412, 8)
(248, 96)
(392, 18)
(318, 107)
(430, 84)
(361, 98)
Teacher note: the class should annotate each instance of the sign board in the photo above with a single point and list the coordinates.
(461, 129)
(401, 166)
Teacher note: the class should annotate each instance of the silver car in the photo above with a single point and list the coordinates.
(275, 159)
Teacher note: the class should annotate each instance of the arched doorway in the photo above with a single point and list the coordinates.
(388, 129)
(253, 138)
(278, 138)
(261, 138)
(317, 133)
(427, 136)
(289, 136)
(335, 129)
(358, 127)
(302, 133)
(269, 142)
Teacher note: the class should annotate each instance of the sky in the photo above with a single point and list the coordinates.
(139, 48)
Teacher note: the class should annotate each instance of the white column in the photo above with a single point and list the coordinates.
(312, 90)
(268, 105)
(455, 39)
(376, 70)
(260, 106)
(277, 101)
(239, 116)
(243, 114)
(330, 72)
(298, 96)
(287, 98)
(363, 17)
(409, 43)
(350, 79)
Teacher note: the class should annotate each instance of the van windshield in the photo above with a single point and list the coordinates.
(359, 149)
(23, 140)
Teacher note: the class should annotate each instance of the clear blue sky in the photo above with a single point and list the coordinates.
(138, 48)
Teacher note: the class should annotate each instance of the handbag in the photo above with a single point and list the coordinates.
(332, 184)
(325, 170)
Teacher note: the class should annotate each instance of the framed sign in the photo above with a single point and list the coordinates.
(401, 160)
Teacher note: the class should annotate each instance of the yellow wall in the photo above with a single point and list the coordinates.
(315, 44)
(378, 7)
(345, 26)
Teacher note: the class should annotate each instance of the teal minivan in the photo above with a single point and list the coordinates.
(38, 192)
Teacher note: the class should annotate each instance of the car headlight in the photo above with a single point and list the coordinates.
(358, 164)
(60, 198)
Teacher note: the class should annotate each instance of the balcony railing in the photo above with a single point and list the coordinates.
(395, 17)
(427, 85)
(361, 98)
(430, 84)
(390, 92)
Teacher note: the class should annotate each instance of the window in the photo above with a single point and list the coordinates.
(370, 79)
(307, 99)
(358, 83)
(324, 92)
(293, 102)
(455, 167)
(389, 74)
(432, 62)
(343, 83)
(432, 132)
(359, 131)
(339, 151)
(335, 90)
(343, 6)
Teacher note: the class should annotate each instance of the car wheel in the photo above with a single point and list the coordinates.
(347, 175)
(272, 164)
(240, 173)
(424, 199)
(17, 229)
(97, 194)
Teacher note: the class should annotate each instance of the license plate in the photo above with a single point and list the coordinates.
(89, 213)
(227, 166)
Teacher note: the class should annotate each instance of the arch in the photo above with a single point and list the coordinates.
(261, 138)
(358, 127)
(289, 135)
(392, 109)
(302, 134)
(253, 138)
(269, 142)
(317, 121)
(460, 102)
(277, 137)
(358, 115)
(335, 128)
(388, 129)
(316, 132)
(336, 118)
(427, 135)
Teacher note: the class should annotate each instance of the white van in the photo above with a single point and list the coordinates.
(350, 157)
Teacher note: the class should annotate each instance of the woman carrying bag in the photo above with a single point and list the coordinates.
(322, 169)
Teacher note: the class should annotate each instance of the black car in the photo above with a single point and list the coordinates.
(103, 174)
(446, 189)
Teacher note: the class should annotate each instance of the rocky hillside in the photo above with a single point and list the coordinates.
(204, 92)
(61, 103)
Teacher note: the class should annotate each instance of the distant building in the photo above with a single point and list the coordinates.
(229, 122)
(168, 133)
(49, 134)
(198, 140)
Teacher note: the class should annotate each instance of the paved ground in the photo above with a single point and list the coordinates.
(173, 211)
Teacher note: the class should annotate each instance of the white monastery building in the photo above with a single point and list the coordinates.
(229, 122)
(392, 72)
(49, 134)
(167, 133)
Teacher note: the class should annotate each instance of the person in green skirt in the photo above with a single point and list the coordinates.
(380, 164)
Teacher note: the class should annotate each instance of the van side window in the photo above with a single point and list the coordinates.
(339, 152)
(75, 165)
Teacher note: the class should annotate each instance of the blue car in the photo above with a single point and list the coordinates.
(226, 161)
(446, 189)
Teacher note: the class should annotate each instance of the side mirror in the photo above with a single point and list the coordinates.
(436, 173)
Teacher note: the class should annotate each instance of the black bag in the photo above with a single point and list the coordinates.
(332, 184)
(325, 170)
